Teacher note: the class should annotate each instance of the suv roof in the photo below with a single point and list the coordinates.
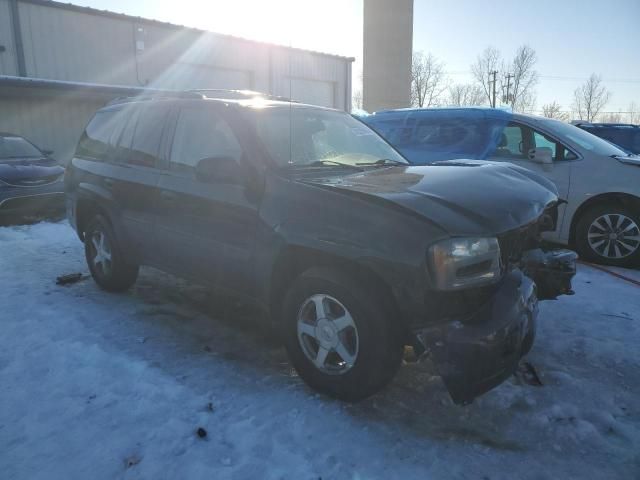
(213, 93)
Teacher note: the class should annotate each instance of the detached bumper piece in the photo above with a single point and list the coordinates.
(551, 271)
(478, 353)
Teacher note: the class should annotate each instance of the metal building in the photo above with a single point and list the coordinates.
(59, 62)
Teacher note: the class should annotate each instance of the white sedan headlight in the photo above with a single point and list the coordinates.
(458, 263)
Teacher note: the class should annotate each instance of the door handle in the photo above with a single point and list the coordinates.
(167, 196)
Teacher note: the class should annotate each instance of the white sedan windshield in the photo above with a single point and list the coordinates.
(583, 139)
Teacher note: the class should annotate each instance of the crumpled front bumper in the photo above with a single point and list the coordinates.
(478, 352)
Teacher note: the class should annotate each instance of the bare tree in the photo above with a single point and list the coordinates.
(488, 61)
(590, 98)
(516, 79)
(612, 117)
(634, 113)
(524, 79)
(461, 95)
(554, 110)
(356, 99)
(428, 80)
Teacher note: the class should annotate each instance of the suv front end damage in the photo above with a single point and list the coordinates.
(476, 351)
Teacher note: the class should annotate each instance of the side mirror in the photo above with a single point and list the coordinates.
(47, 152)
(218, 170)
(541, 155)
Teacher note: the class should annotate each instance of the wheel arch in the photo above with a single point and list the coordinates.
(620, 198)
(294, 260)
(85, 210)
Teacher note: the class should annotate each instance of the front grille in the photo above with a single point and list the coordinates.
(514, 243)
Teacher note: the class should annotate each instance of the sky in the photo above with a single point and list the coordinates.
(572, 38)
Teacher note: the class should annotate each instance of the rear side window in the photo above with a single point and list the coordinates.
(202, 133)
(100, 135)
(141, 139)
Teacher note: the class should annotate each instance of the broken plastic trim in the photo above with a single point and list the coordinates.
(551, 271)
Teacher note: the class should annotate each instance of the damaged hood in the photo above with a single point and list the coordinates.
(17, 170)
(463, 197)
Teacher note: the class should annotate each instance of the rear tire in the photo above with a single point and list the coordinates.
(361, 349)
(609, 234)
(108, 265)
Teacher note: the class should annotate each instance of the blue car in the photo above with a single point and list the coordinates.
(31, 182)
(435, 134)
(624, 135)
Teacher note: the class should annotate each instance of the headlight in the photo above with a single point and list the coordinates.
(458, 263)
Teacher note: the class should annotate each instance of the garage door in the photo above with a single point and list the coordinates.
(187, 76)
(314, 92)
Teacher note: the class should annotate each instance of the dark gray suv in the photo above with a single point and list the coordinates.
(309, 215)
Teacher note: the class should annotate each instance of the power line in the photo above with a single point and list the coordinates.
(559, 77)
(604, 79)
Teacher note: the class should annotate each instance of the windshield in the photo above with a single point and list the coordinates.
(303, 136)
(17, 147)
(583, 139)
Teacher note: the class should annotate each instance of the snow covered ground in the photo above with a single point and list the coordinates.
(96, 385)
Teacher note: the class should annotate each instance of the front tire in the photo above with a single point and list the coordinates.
(339, 335)
(609, 234)
(108, 265)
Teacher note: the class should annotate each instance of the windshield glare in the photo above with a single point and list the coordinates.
(303, 136)
(584, 139)
(17, 147)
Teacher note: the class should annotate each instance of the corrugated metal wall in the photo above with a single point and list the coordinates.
(8, 64)
(64, 42)
(73, 44)
(52, 120)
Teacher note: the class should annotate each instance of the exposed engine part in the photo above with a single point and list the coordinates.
(551, 271)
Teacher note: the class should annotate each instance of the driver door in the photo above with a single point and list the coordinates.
(205, 229)
(516, 143)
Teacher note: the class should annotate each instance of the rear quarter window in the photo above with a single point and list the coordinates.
(100, 135)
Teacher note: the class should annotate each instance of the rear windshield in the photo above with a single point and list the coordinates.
(17, 147)
(430, 135)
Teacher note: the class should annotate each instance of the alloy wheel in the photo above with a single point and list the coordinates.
(327, 334)
(614, 236)
(100, 249)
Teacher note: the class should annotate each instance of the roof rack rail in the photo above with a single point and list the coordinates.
(151, 95)
(236, 94)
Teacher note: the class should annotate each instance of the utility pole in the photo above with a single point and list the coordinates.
(507, 98)
(493, 74)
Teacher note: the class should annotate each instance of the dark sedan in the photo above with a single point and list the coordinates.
(30, 180)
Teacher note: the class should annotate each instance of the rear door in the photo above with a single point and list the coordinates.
(206, 229)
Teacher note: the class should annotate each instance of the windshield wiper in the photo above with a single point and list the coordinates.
(383, 162)
(321, 163)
